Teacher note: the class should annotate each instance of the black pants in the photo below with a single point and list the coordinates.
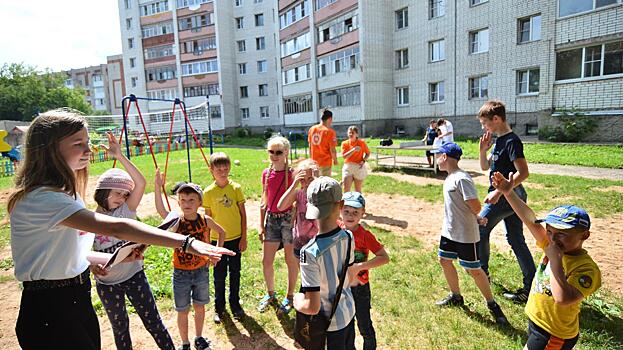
(59, 318)
(342, 339)
(231, 263)
(361, 294)
(540, 339)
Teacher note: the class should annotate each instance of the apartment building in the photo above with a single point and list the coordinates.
(115, 83)
(94, 80)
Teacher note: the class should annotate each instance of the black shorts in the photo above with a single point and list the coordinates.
(467, 253)
(540, 339)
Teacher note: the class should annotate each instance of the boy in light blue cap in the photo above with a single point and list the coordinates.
(353, 210)
(565, 276)
(460, 237)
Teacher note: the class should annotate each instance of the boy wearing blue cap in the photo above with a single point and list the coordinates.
(565, 276)
(353, 210)
(460, 237)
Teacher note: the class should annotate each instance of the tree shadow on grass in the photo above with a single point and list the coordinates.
(257, 338)
(386, 220)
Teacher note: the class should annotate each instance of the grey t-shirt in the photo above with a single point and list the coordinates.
(108, 244)
(459, 223)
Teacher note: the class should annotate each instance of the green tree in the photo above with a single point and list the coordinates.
(24, 92)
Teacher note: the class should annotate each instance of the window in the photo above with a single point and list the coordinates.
(402, 18)
(296, 74)
(239, 22)
(215, 112)
(238, 3)
(198, 46)
(128, 4)
(264, 112)
(244, 113)
(402, 96)
(297, 104)
(130, 43)
(201, 90)
(262, 89)
(188, 3)
(323, 3)
(128, 23)
(195, 23)
(242, 68)
(160, 73)
(294, 14)
(96, 77)
(338, 27)
(157, 29)
(295, 45)
(590, 61)
(200, 67)
(437, 50)
(478, 87)
(529, 29)
(528, 81)
(244, 92)
(159, 51)
(154, 8)
(242, 45)
(262, 66)
(570, 7)
(476, 2)
(259, 20)
(436, 92)
(348, 96)
(437, 8)
(132, 62)
(257, 1)
(402, 59)
(164, 94)
(479, 41)
(342, 61)
(260, 43)
(69, 83)
(134, 81)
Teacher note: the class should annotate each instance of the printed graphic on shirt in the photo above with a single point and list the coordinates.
(543, 285)
(316, 138)
(226, 201)
(198, 230)
(585, 281)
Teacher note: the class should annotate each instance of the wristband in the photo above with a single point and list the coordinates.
(185, 244)
(190, 243)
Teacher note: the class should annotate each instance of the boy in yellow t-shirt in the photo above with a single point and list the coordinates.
(224, 201)
(565, 276)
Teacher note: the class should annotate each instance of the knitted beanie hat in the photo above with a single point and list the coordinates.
(115, 179)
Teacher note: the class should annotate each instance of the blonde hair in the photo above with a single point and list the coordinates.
(354, 128)
(307, 164)
(43, 164)
(285, 145)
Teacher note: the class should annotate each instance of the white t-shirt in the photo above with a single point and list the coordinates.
(322, 259)
(459, 223)
(41, 248)
(108, 244)
(447, 127)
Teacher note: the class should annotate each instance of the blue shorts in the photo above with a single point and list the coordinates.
(191, 283)
(466, 252)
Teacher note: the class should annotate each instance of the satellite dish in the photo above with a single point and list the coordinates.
(194, 7)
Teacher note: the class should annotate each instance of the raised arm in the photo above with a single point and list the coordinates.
(484, 146)
(519, 207)
(289, 196)
(139, 180)
(158, 183)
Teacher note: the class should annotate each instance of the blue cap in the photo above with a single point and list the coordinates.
(566, 217)
(451, 149)
(354, 199)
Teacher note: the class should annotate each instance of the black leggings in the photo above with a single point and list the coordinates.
(59, 318)
(539, 339)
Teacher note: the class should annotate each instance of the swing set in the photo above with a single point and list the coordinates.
(187, 125)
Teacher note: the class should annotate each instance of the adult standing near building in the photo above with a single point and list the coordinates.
(447, 131)
(322, 142)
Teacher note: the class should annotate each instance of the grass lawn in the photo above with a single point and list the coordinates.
(404, 290)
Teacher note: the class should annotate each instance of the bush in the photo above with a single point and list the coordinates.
(574, 127)
(242, 132)
(268, 133)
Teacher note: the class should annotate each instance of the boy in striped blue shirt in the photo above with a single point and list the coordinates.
(322, 260)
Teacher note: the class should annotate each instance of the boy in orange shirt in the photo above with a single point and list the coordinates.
(322, 142)
(355, 152)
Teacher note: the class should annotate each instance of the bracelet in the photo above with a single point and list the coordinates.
(190, 243)
(185, 244)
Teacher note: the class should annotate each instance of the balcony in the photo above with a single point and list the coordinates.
(333, 10)
(159, 61)
(196, 32)
(198, 54)
(285, 3)
(199, 79)
(295, 59)
(294, 29)
(340, 42)
(207, 7)
(159, 17)
(161, 84)
(158, 40)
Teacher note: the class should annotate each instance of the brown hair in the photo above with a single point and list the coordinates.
(43, 164)
(440, 121)
(101, 198)
(188, 190)
(219, 158)
(492, 108)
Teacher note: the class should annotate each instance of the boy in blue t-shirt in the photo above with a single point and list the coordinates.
(506, 157)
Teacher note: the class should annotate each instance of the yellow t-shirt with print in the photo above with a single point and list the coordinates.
(223, 203)
(562, 321)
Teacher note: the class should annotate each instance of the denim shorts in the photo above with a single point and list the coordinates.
(279, 228)
(191, 283)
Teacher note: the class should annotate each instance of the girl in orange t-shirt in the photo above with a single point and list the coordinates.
(355, 152)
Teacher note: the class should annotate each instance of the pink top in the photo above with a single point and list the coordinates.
(305, 229)
(275, 188)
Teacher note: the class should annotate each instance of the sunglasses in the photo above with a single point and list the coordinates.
(276, 153)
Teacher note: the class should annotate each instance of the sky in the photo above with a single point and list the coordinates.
(60, 34)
